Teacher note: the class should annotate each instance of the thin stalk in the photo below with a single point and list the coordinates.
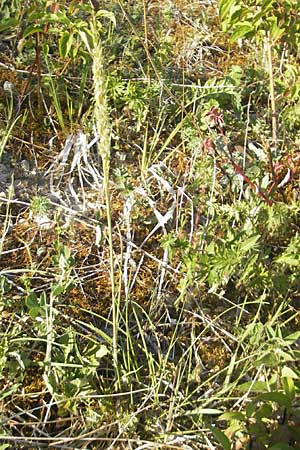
(49, 335)
(38, 69)
(146, 38)
(104, 133)
(273, 109)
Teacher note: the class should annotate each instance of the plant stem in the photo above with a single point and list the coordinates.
(146, 38)
(273, 109)
(49, 335)
(104, 133)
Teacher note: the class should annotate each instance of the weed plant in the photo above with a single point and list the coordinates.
(149, 272)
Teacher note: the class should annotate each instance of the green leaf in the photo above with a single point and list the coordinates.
(85, 39)
(234, 415)
(292, 337)
(224, 8)
(221, 438)
(101, 352)
(236, 427)
(4, 446)
(278, 397)
(31, 300)
(65, 43)
(61, 287)
(34, 312)
(6, 24)
(257, 386)
(288, 372)
(58, 289)
(32, 29)
(276, 32)
(227, 9)
(289, 387)
(249, 243)
(261, 17)
(270, 359)
(56, 18)
(250, 409)
(241, 30)
(108, 15)
(284, 356)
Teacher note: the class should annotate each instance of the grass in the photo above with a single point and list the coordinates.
(103, 130)
(149, 294)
